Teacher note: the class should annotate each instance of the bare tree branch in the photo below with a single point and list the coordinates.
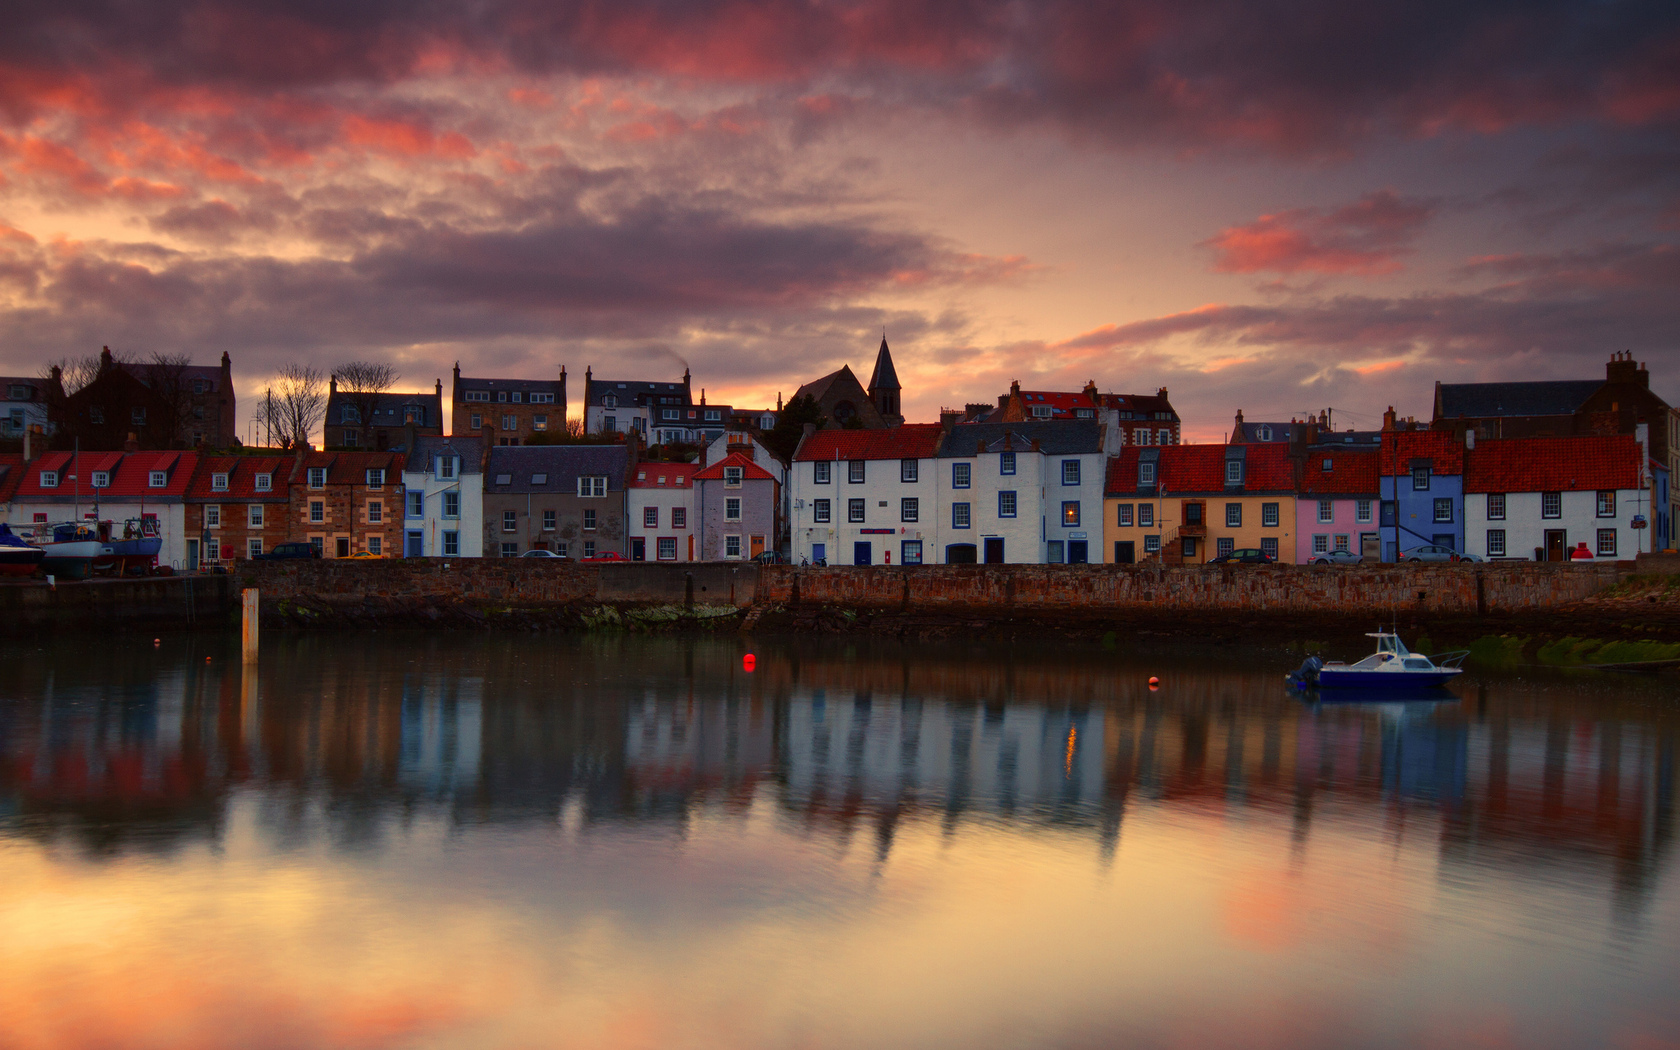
(302, 402)
(166, 375)
(361, 383)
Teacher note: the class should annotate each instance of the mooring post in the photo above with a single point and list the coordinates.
(249, 646)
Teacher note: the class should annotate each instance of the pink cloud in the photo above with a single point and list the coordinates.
(1366, 238)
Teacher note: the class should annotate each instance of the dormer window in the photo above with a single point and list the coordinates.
(609, 401)
(101, 479)
(1085, 413)
(49, 479)
(158, 479)
(592, 485)
(348, 414)
(138, 415)
(1262, 433)
(501, 395)
(1233, 472)
(446, 467)
(200, 386)
(1328, 465)
(376, 478)
(478, 395)
(731, 477)
(1146, 473)
(539, 479)
(218, 481)
(1042, 411)
(413, 414)
(265, 482)
(317, 477)
(514, 397)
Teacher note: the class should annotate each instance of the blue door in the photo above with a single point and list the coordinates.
(861, 553)
(819, 553)
(416, 544)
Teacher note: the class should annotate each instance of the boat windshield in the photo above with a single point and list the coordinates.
(1389, 643)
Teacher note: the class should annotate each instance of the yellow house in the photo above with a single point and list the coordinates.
(1187, 504)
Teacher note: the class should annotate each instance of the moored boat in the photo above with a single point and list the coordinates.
(1392, 666)
(17, 557)
(136, 551)
(70, 548)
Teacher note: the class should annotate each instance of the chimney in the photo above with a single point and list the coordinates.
(439, 388)
(1035, 444)
(1388, 419)
(1090, 390)
(332, 386)
(1161, 393)
(778, 401)
(408, 437)
(34, 443)
(487, 441)
(702, 395)
(131, 443)
(297, 462)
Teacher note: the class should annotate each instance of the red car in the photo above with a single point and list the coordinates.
(606, 556)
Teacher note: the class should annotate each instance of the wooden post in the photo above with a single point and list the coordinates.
(249, 646)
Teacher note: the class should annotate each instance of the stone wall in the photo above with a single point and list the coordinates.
(514, 581)
(120, 604)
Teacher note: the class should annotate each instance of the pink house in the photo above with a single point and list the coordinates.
(1336, 506)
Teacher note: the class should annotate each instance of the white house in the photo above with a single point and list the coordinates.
(145, 488)
(443, 508)
(747, 444)
(867, 497)
(1021, 493)
(1528, 498)
(660, 512)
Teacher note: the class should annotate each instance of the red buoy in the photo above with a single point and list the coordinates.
(748, 662)
(1154, 681)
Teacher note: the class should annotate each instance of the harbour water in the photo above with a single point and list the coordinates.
(556, 841)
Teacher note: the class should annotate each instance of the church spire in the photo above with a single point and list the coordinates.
(883, 385)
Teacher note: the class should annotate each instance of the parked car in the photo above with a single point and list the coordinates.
(606, 556)
(363, 554)
(288, 551)
(769, 558)
(1436, 552)
(1244, 556)
(540, 553)
(1337, 558)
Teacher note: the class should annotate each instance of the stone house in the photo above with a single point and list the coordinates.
(390, 417)
(1186, 504)
(514, 409)
(344, 503)
(443, 496)
(1022, 493)
(236, 507)
(867, 497)
(159, 406)
(1136, 419)
(739, 509)
(1540, 498)
(23, 404)
(568, 499)
(659, 413)
(660, 511)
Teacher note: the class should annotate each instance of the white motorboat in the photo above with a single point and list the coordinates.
(1392, 666)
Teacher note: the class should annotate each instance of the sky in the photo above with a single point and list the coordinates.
(1273, 207)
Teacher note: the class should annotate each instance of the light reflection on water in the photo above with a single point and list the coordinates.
(471, 841)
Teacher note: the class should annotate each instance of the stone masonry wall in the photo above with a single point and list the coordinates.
(514, 581)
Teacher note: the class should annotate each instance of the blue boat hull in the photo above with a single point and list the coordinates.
(1384, 680)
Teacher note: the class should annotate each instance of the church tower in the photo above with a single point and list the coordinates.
(884, 388)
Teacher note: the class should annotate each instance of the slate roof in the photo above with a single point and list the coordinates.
(1351, 473)
(911, 441)
(350, 468)
(634, 392)
(469, 447)
(1281, 433)
(37, 388)
(1063, 404)
(242, 474)
(561, 465)
(523, 386)
(130, 475)
(388, 410)
(1483, 400)
(1199, 470)
(750, 471)
(1056, 438)
(816, 388)
(652, 475)
(1553, 464)
(885, 377)
(1445, 452)
(1145, 403)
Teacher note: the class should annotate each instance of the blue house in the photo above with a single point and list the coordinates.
(1422, 491)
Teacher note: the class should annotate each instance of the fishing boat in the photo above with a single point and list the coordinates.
(17, 557)
(135, 552)
(70, 548)
(1392, 666)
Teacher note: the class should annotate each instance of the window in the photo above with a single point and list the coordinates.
(1327, 465)
(510, 521)
(909, 509)
(610, 425)
(1146, 474)
(1006, 504)
(452, 504)
(820, 473)
(375, 545)
(1085, 413)
(218, 482)
(96, 415)
(909, 470)
(1606, 543)
(1146, 515)
(960, 475)
(376, 511)
(1443, 510)
(265, 482)
(510, 422)
(732, 509)
(510, 550)
(854, 510)
(1070, 472)
(539, 479)
(253, 548)
(1420, 479)
(1006, 463)
(548, 520)
(451, 544)
(514, 397)
(1496, 543)
(317, 477)
(212, 517)
(254, 515)
(589, 519)
(1496, 506)
(1269, 515)
(213, 549)
(732, 477)
(1233, 515)
(1342, 543)
(539, 421)
(477, 420)
(1233, 472)
(447, 467)
(592, 485)
(1326, 511)
(667, 548)
(376, 478)
(912, 553)
(560, 549)
(820, 510)
(1362, 511)
(1123, 514)
(732, 546)
(1269, 547)
(1551, 505)
(589, 548)
(102, 479)
(714, 415)
(1607, 504)
(854, 472)
(959, 515)
(1152, 544)
(416, 504)
(1053, 552)
(1070, 514)
(49, 479)
(679, 517)
(650, 517)
(138, 415)
(317, 511)
(501, 397)
(158, 479)
(1043, 411)
(504, 479)
(1225, 545)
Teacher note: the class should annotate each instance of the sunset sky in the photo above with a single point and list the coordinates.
(1274, 207)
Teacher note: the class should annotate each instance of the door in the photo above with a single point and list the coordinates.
(756, 545)
(691, 546)
(862, 553)
(192, 554)
(638, 549)
(1125, 552)
(343, 547)
(416, 544)
(1557, 545)
(819, 553)
(1370, 545)
(994, 550)
(1078, 552)
(960, 554)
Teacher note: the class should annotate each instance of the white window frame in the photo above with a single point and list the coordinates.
(254, 515)
(909, 470)
(1551, 505)
(856, 472)
(212, 516)
(732, 508)
(157, 479)
(317, 477)
(1496, 506)
(1362, 511)
(962, 475)
(822, 511)
(218, 481)
(264, 483)
(855, 511)
(1326, 511)
(1146, 473)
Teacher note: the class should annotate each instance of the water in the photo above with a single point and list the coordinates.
(472, 841)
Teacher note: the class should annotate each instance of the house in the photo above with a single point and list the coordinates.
(866, 497)
(515, 409)
(1138, 419)
(748, 441)
(1422, 486)
(443, 496)
(388, 416)
(1028, 493)
(1337, 493)
(235, 508)
(24, 406)
(659, 508)
(846, 404)
(145, 488)
(568, 499)
(160, 404)
(661, 413)
(740, 509)
(1185, 504)
(1541, 498)
(345, 503)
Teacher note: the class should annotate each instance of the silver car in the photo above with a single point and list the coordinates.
(1436, 552)
(1337, 558)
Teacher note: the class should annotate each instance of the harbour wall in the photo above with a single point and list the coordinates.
(162, 602)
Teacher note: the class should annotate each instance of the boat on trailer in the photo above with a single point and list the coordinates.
(1391, 667)
(18, 557)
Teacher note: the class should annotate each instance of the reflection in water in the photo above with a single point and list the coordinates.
(495, 841)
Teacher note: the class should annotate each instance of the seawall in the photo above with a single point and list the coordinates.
(161, 602)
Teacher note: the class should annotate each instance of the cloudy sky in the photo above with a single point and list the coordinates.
(1279, 207)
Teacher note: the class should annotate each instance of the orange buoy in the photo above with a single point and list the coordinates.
(1154, 681)
(748, 662)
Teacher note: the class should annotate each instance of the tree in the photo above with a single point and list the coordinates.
(784, 437)
(361, 383)
(166, 375)
(77, 372)
(292, 407)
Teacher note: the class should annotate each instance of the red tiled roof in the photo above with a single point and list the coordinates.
(1444, 450)
(910, 441)
(350, 468)
(1352, 473)
(664, 475)
(130, 474)
(750, 471)
(1553, 464)
(242, 474)
(1122, 472)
